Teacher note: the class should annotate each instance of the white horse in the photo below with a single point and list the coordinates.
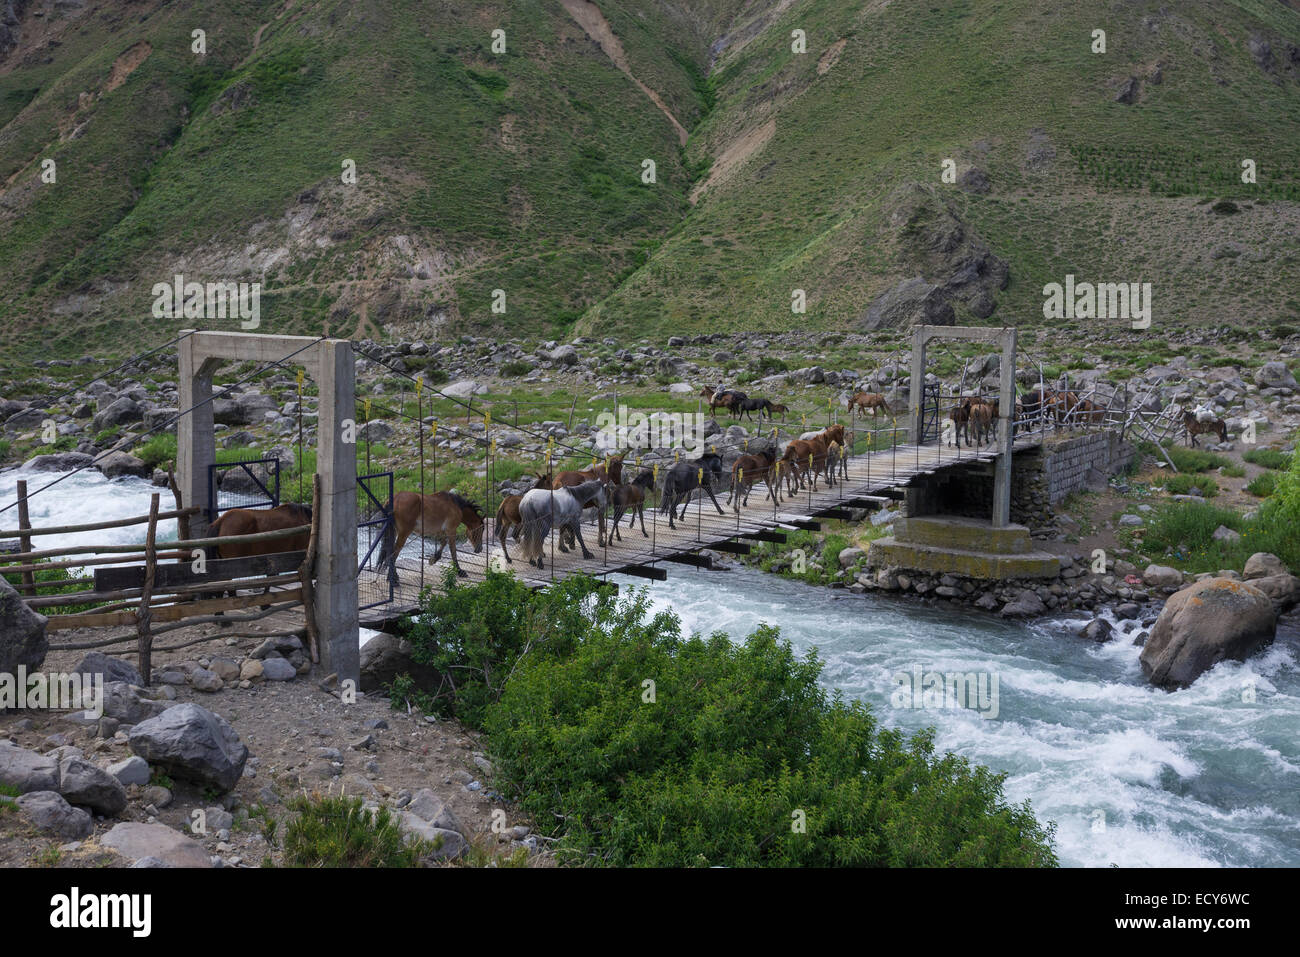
(544, 509)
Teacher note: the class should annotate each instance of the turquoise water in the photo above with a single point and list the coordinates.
(1131, 775)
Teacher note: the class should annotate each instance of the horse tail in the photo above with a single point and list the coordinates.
(214, 528)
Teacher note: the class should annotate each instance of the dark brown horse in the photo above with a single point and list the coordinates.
(508, 519)
(436, 516)
(631, 498)
(248, 521)
(746, 472)
(728, 399)
(1194, 427)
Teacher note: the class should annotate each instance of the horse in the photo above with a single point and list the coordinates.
(874, 401)
(249, 521)
(727, 398)
(972, 412)
(544, 509)
(747, 405)
(437, 515)
(631, 497)
(685, 477)
(774, 407)
(801, 457)
(613, 474)
(508, 519)
(1062, 405)
(747, 471)
(1194, 427)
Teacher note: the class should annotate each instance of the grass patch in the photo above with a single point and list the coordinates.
(337, 832)
(1262, 485)
(1268, 458)
(1195, 460)
(1183, 484)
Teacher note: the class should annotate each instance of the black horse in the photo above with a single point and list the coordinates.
(747, 405)
(685, 477)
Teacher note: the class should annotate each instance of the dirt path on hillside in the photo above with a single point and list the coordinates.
(734, 156)
(589, 17)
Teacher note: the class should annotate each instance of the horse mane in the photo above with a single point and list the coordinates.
(462, 502)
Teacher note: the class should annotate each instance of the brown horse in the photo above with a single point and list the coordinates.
(803, 460)
(1194, 427)
(248, 521)
(874, 401)
(631, 497)
(1063, 405)
(613, 475)
(776, 407)
(436, 516)
(508, 513)
(746, 472)
(729, 399)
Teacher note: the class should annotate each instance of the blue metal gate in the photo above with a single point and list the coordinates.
(253, 483)
(375, 539)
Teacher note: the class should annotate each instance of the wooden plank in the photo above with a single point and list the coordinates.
(766, 535)
(645, 571)
(177, 612)
(690, 558)
(99, 526)
(733, 548)
(217, 570)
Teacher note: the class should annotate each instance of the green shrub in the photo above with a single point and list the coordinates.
(1268, 458)
(337, 832)
(1195, 460)
(158, 452)
(515, 369)
(5, 446)
(1182, 484)
(54, 575)
(735, 748)
(1262, 485)
(1232, 471)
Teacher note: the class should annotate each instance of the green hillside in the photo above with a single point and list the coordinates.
(521, 170)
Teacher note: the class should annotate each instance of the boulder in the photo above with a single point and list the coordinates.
(132, 770)
(120, 411)
(125, 703)
(1203, 624)
(112, 669)
(1283, 590)
(1026, 605)
(278, 669)
(429, 807)
(460, 390)
(444, 844)
(376, 431)
(49, 812)
(1262, 565)
(86, 785)
(117, 464)
(26, 770)
(201, 679)
(850, 555)
(1162, 576)
(169, 847)
(564, 355)
(22, 632)
(386, 656)
(24, 420)
(58, 462)
(1098, 630)
(192, 743)
(1275, 375)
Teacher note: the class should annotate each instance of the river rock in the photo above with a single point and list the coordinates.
(201, 679)
(169, 846)
(1275, 375)
(50, 812)
(1262, 565)
(117, 464)
(445, 844)
(1202, 625)
(850, 555)
(120, 411)
(1027, 604)
(22, 632)
(132, 770)
(125, 703)
(1283, 590)
(192, 743)
(1162, 576)
(58, 462)
(1098, 630)
(112, 669)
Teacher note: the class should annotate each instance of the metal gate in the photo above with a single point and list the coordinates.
(253, 483)
(929, 412)
(375, 540)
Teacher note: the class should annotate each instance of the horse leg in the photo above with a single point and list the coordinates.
(501, 536)
(640, 511)
(709, 490)
(577, 531)
(618, 518)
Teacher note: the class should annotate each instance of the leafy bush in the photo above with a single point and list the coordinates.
(1232, 471)
(1267, 458)
(158, 452)
(337, 832)
(475, 635)
(516, 368)
(736, 749)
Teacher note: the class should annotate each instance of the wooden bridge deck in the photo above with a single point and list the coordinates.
(869, 475)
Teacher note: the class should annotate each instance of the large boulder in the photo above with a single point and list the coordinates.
(22, 632)
(85, 785)
(385, 657)
(49, 812)
(169, 847)
(112, 669)
(127, 703)
(1262, 565)
(58, 462)
(26, 770)
(117, 464)
(1283, 590)
(120, 411)
(1203, 624)
(1275, 375)
(192, 743)
(1162, 576)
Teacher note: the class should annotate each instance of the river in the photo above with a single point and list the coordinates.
(1131, 775)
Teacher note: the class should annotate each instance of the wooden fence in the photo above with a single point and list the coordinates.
(157, 587)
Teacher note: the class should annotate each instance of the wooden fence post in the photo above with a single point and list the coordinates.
(145, 615)
(25, 541)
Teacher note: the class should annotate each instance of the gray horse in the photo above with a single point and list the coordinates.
(544, 509)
